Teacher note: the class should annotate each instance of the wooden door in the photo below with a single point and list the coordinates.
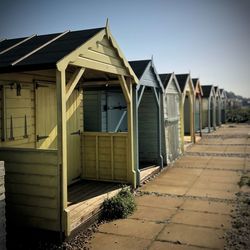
(74, 104)
(46, 118)
(172, 126)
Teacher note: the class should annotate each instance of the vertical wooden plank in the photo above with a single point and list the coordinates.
(112, 155)
(131, 134)
(3, 115)
(62, 142)
(97, 156)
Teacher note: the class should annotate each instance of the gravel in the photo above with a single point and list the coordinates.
(238, 237)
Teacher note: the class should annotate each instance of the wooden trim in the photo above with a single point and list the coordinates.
(15, 45)
(140, 95)
(62, 141)
(39, 48)
(3, 119)
(125, 89)
(105, 134)
(112, 155)
(97, 156)
(100, 66)
(73, 82)
(156, 97)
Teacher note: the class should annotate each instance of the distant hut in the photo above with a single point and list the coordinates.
(172, 122)
(198, 105)
(187, 108)
(208, 108)
(223, 98)
(218, 105)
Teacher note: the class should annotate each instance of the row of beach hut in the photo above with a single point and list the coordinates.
(75, 112)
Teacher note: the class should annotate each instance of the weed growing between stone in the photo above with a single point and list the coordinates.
(119, 206)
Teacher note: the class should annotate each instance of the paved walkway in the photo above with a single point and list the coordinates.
(187, 206)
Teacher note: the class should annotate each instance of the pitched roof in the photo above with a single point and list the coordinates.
(47, 56)
(165, 79)
(195, 82)
(182, 79)
(207, 90)
(139, 67)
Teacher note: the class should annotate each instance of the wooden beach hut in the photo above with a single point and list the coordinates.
(208, 108)
(187, 109)
(49, 157)
(108, 113)
(223, 98)
(198, 105)
(218, 106)
(172, 123)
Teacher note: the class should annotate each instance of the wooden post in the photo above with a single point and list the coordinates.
(62, 141)
(209, 114)
(126, 86)
(200, 115)
(182, 121)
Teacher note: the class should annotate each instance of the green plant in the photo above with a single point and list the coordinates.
(119, 206)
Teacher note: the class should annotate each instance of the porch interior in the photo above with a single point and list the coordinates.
(148, 133)
(85, 199)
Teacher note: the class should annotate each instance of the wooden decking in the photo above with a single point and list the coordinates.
(85, 199)
(146, 172)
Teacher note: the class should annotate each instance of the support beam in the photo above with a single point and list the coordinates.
(156, 97)
(125, 89)
(73, 82)
(62, 143)
(140, 95)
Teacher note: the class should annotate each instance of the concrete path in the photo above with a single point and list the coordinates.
(187, 206)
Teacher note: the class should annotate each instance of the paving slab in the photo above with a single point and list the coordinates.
(179, 171)
(163, 189)
(133, 228)
(228, 187)
(208, 206)
(236, 149)
(158, 201)
(153, 213)
(117, 242)
(205, 193)
(221, 173)
(208, 148)
(202, 219)
(160, 245)
(173, 181)
(221, 179)
(191, 235)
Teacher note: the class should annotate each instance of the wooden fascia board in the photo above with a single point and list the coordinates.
(176, 82)
(73, 56)
(157, 76)
(121, 55)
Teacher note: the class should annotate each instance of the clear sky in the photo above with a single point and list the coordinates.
(209, 38)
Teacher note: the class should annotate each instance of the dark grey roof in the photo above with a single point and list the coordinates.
(139, 67)
(195, 82)
(182, 79)
(165, 79)
(46, 57)
(207, 90)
